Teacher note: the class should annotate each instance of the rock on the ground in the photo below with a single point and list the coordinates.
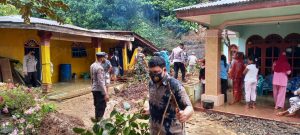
(59, 124)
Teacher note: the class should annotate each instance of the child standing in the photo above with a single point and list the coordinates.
(202, 75)
(250, 72)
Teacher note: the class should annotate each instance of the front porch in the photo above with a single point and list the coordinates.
(264, 110)
(263, 29)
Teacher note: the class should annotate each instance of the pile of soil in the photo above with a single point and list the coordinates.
(59, 124)
(132, 94)
(134, 91)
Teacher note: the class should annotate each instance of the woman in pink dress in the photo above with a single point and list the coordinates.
(281, 69)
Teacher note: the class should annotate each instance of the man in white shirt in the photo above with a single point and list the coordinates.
(30, 70)
(177, 57)
(192, 61)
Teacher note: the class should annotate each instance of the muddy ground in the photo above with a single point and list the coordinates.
(82, 107)
(200, 124)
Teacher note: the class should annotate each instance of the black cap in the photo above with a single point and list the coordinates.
(100, 54)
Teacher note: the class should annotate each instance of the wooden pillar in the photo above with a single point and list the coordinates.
(125, 56)
(45, 37)
(96, 42)
(212, 70)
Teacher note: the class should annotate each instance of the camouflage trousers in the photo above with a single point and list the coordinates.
(141, 72)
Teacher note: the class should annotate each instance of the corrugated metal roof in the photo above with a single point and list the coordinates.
(33, 20)
(17, 19)
(214, 4)
(111, 31)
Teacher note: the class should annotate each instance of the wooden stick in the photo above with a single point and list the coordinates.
(177, 107)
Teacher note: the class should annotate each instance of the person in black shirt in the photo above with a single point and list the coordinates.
(115, 62)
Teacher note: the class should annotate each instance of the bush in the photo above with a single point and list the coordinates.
(17, 100)
(25, 107)
(119, 124)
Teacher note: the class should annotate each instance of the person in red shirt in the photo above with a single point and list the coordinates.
(236, 74)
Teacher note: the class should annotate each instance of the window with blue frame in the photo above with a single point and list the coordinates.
(78, 50)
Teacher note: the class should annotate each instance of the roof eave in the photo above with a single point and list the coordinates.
(146, 42)
(64, 30)
(233, 8)
(136, 37)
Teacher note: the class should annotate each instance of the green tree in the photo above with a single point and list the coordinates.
(153, 19)
(48, 8)
(8, 10)
(168, 15)
(104, 14)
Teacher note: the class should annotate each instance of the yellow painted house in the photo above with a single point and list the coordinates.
(64, 44)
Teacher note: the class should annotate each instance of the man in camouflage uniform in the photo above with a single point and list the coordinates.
(140, 66)
(99, 89)
(166, 94)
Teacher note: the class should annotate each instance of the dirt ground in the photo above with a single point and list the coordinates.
(82, 107)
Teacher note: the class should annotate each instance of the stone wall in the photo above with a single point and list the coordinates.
(194, 43)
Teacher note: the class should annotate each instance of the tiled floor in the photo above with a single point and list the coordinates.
(264, 110)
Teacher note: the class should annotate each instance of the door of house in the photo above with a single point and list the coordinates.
(120, 51)
(268, 50)
(33, 45)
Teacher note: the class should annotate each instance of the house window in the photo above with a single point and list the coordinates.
(78, 50)
(269, 49)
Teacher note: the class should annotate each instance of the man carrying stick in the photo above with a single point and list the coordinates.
(169, 104)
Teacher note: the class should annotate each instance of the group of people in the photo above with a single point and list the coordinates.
(169, 105)
(102, 71)
(180, 60)
(247, 74)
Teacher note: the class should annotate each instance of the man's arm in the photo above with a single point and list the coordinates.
(91, 71)
(101, 81)
(110, 66)
(297, 92)
(25, 65)
(184, 103)
(171, 57)
(245, 71)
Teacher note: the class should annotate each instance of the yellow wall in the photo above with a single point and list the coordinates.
(12, 46)
(12, 42)
(61, 53)
(107, 43)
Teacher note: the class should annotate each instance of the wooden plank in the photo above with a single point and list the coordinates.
(6, 70)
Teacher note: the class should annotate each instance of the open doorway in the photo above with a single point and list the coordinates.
(33, 45)
(120, 53)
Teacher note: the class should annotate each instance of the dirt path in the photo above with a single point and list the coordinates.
(82, 107)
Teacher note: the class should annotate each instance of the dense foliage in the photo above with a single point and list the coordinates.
(155, 20)
(8, 10)
(27, 8)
